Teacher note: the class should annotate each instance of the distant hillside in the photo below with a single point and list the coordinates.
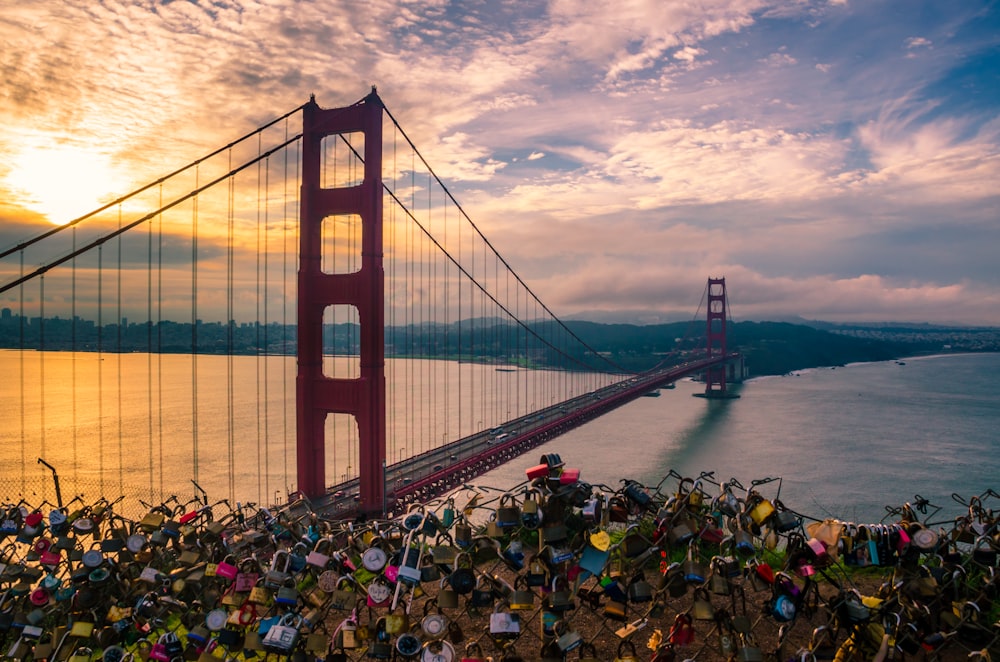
(774, 348)
(771, 348)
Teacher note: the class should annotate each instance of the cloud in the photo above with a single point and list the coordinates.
(778, 141)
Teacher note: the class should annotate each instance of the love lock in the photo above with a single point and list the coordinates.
(282, 637)
(433, 625)
(279, 571)
(443, 551)
(531, 514)
(503, 624)
(376, 556)
(694, 571)
(566, 638)
(522, 598)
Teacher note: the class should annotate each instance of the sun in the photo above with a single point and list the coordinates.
(62, 182)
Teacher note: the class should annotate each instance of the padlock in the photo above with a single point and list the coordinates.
(759, 508)
(463, 533)
(429, 571)
(443, 551)
(259, 594)
(673, 580)
(279, 571)
(567, 639)
(743, 539)
(508, 512)
(348, 634)
(537, 573)
(380, 592)
(682, 631)
(747, 650)
(247, 576)
(433, 625)
(462, 578)
(694, 571)
(719, 582)
(784, 519)
(83, 654)
(493, 528)
(554, 533)
(639, 590)
(473, 653)
(626, 651)
(448, 513)
(375, 558)
(379, 647)
(727, 639)
(522, 598)
(287, 595)
(531, 514)
(319, 556)
(410, 558)
(408, 645)
(560, 598)
(727, 502)
(593, 510)
(513, 555)
(447, 597)
(282, 636)
(504, 624)
(701, 607)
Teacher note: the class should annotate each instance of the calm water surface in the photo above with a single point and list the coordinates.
(845, 441)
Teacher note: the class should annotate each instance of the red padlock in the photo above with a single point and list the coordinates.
(537, 471)
(682, 631)
(569, 477)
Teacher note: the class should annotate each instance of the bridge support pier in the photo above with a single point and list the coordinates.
(316, 394)
(715, 333)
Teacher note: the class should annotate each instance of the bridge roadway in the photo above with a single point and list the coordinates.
(438, 471)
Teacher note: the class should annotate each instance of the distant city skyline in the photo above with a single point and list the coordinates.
(833, 159)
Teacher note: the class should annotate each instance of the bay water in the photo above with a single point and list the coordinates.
(845, 442)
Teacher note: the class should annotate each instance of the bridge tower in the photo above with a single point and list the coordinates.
(715, 377)
(316, 394)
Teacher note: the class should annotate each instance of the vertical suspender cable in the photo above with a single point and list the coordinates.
(284, 306)
(194, 327)
(446, 274)
(159, 339)
(118, 362)
(100, 364)
(149, 355)
(41, 361)
(391, 340)
(267, 348)
(73, 366)
(230, 330)
(411, 323)
(24, 463)
(260, 464)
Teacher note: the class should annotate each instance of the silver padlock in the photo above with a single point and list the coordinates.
(282, 637)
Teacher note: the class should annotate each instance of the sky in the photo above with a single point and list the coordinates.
(834, 160)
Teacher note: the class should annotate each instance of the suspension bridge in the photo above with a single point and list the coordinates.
(372, 348)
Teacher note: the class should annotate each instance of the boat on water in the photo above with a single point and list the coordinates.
(651, 394)
(506, 369)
